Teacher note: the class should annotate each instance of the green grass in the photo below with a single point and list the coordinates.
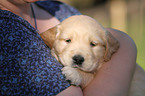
(138, 35)
(140, 43)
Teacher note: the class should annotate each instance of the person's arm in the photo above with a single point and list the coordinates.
(114, 77)
(71, 91)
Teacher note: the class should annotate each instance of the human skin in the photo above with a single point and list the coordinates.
(113, 79)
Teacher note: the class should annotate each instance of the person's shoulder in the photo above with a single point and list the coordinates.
(58, 9)
(9, 21)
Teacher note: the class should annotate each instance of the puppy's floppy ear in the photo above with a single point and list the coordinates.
(111, 44)
(49, 36)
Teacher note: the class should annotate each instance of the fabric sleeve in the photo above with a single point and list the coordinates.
(26, 65)
(58, 9)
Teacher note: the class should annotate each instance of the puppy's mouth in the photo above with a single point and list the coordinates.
(76, 66)
(80, 67)
(83, 68)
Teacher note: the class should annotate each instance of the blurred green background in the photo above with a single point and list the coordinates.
(125, 15)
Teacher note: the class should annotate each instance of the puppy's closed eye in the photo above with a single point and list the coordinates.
(93, 44)
(68, 40)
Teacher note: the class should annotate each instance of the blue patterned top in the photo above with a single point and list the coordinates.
(26, 65)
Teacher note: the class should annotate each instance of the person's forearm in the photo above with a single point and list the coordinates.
(71, 91)
(114, 78)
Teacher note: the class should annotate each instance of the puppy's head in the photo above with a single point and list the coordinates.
(81, 42)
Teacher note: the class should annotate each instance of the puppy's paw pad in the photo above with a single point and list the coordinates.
(72, 74)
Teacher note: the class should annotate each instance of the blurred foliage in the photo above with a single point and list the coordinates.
(125, 15)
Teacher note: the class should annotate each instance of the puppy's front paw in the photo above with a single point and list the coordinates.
(72, 74)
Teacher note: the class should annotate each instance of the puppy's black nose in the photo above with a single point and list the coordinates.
(78, 59)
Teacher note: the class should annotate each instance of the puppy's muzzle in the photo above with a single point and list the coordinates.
(78, 60)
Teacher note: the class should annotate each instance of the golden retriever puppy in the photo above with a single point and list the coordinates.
(81, 45)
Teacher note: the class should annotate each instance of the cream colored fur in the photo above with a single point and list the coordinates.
(82, 35)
